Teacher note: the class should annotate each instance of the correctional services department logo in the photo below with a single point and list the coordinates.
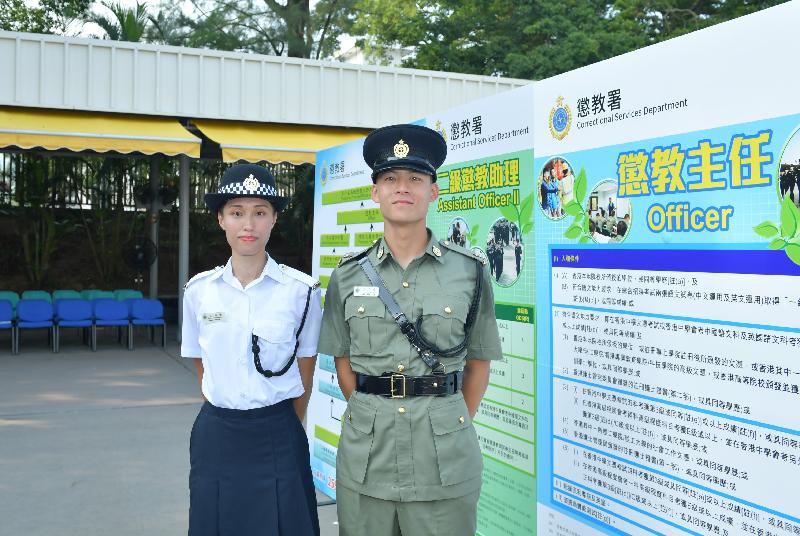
(251, 183)
(440, 129)
(401, 149)
(323, 174)
(560, 119)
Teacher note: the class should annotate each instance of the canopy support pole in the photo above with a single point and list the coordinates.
(155, 206)
(183, 237)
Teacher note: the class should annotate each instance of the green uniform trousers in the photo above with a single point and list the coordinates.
(362, 515)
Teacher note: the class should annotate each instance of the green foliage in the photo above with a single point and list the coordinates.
(49, 16)
(291, 28)
(531, 39)
(125, 23)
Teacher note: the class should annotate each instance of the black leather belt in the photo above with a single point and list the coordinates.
(393, 385)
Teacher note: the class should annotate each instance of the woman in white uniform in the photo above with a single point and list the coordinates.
(252, 328)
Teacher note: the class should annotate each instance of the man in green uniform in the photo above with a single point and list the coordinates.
(409, 462)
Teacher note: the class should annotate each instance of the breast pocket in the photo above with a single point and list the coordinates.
(369, 326)
(457, 451)
(276, 343)
(443, 319)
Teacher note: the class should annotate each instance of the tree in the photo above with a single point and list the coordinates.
(531, 39)
(50, 16)
(291, 29)
(125, 24)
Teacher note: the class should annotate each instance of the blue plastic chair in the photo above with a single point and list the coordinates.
(72, 313)
(7, 322)
(35, 314)
(95, 294)
(11, 296)
(146, 312)
(37, 295)
(123, 294)
(110, 312)
(66, 295)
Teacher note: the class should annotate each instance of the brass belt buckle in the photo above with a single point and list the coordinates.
(392, 391)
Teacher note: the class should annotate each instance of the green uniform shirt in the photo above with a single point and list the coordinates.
(416, 448)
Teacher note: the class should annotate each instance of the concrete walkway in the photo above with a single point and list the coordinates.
(97, 443)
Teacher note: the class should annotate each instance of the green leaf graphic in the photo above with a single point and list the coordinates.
(526, 227)
(766, 229)
(573, 208)
(580, 186)
(585, 225)
(778, 243)
(793, 252)
(574, 231)
(526, 209)
(790, 217)
(509, 212)
(584, 240)
(473, 234)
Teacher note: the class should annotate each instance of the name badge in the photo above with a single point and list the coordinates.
(210, 318)
(365, 291)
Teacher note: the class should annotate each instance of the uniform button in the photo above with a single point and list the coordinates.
(461, 420)
(361, 309)
(405, 284)
(401, 409)
(349, 416)
(448, 310)
(400, 368)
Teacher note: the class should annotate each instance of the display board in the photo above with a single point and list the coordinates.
(668, 287)
(486, 202)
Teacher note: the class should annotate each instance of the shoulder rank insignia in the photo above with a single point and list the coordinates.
(436, 251)
(350, 256)
(475, 253)
(480, 255)
(346, 257)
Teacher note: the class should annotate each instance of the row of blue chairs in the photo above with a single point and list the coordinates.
(92, 294)
(85, 314)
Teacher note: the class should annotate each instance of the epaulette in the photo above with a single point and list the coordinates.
(202, 275)
(300, 276)
(475, 254)
(350, 256)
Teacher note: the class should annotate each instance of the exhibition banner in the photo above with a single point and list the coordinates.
(668, 287)
(486, 204)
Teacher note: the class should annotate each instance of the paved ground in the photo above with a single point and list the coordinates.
(97, 443)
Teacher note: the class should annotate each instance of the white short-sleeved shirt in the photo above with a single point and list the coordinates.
(219, 318)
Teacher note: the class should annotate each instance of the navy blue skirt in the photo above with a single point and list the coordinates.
(250, 474)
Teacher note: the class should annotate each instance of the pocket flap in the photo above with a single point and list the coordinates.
(445, 306)
(361, 307)
(275, 332)
(360, 416)
(449, 418)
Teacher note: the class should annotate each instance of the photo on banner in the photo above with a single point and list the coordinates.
(668, 288)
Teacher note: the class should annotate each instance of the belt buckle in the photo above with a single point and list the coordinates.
(392, 390)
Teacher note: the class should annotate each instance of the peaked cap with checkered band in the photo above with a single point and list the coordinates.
(411, 147)
(246, 180)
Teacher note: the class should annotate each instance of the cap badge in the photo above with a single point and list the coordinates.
(251, 183)
(401, 149)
